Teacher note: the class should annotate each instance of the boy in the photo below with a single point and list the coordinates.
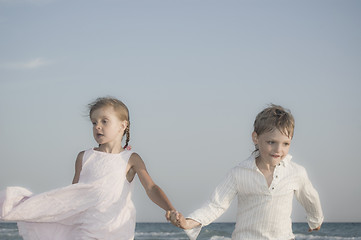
(264, 185)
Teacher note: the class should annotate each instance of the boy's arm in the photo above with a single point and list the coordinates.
(309, 199)
(154, 192)
(219, 201)
(217, 204)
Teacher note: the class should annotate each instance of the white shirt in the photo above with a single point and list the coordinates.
(263, 212)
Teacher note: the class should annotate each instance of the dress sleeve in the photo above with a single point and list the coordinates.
(309, 199)
(217, 204)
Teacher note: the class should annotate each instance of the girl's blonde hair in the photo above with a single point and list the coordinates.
(275, 117)
(119, 107)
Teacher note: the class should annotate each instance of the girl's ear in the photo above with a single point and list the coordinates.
(124, 125)
(255, 138)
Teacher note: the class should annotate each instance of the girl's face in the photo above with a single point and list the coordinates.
(107, 127)
(273, 146)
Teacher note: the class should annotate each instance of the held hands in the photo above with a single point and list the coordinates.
(176, 218)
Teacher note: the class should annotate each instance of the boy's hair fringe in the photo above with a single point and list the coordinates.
(275, 117)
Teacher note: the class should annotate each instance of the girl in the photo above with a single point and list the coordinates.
(264, 185)
(98, 205)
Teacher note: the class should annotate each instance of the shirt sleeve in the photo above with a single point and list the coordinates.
(217, 204)
(309, 199)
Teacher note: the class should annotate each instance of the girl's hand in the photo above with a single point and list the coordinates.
(168, 215)
(174, 218)
(178, 220)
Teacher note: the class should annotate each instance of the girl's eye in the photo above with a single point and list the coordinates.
(270, 142)
(286, 144)
(94, 123)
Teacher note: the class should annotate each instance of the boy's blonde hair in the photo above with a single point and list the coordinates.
(119, 107)
(275, 117)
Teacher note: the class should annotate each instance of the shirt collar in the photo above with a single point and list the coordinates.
(251, 161)
(286, 160)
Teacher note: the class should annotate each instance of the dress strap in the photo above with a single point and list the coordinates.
(86, 155)
(127, 155)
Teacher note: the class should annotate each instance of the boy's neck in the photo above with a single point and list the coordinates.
(266, 165)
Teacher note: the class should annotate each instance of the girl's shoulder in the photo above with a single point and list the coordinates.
(80, 157)
(135, 160)
(83, 156)
(133, 156)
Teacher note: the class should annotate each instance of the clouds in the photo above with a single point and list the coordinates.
(34, 63)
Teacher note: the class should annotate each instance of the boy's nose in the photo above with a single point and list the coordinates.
(278, 148)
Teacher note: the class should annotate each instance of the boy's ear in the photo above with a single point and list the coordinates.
(255, 138)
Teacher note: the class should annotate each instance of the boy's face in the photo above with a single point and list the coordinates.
(273, 146)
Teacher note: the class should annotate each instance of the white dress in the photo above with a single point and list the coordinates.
(98, 207)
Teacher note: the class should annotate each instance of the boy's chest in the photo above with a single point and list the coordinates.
(278, 182)
(268, 175)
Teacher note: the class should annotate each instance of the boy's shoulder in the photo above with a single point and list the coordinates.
(296, 169)
(249, 163)
(292, 164)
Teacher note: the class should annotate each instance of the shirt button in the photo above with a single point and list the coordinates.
(276, 176)
(273, 188)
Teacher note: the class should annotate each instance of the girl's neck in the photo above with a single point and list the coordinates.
(110, 148)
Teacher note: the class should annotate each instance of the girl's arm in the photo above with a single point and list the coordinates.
(78, 166)
(155, 193)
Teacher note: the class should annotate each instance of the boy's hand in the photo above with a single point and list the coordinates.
(316, 229)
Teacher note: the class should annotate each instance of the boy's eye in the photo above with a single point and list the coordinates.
(270, 142)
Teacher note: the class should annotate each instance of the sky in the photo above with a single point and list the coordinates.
(194, 75)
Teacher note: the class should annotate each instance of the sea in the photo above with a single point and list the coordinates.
(217, 231)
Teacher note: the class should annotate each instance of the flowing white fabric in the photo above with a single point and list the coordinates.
(98, 207)
(263, 212)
